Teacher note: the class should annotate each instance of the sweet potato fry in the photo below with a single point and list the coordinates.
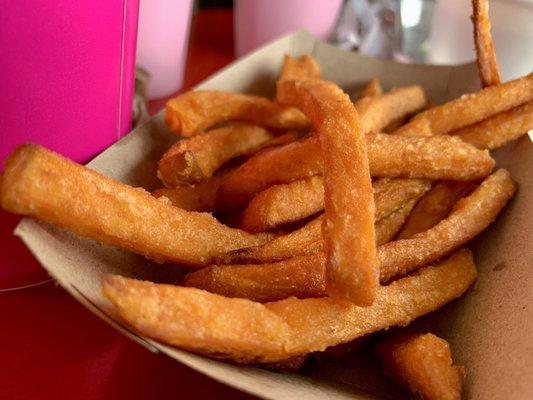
(440, 157)
(199, 197)
(284, 203)
(434, 206)
(376, 112)
(193, 112)
(42, 184)
(388, 227)
(372, 88)
(348, 228)
(247, 331)
(487, 64)
(499, 130)
(196, 159)
(302, 68)
(470, 109)
(423, 364)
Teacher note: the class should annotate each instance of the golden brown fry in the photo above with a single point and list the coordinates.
(378, 111)
(434, 206)
(348, 228)
(487, 64)
(193, 112)
(372, 88)
(199, 197)
(196, 159)
(440, 157)
(247, 331)
(470, 108)
(423, 364)
(499, 130)
(468, 218)
(388, 227)
(42, 184)
(284, 203)
(304, 67)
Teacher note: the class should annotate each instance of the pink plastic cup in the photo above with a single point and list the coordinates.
(67, 74)
(257, 22)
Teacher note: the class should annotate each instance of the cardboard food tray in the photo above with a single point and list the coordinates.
(490, 328)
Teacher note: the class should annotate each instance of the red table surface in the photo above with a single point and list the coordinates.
(51, 347)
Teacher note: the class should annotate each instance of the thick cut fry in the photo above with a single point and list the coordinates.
(440, 157)
(487, 65)
(470, 109)
(434, 206)
(423, 364)
(42, 184)
(468, 218)
(499, 130)
(199, 197)
(196, 159)
(284, 203)
(388, 227)
(372, 88)
(193, 112)
(247, 331)
(302, 68)
(378, 111)
(348, 228)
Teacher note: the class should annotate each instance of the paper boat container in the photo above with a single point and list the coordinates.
(490, 328)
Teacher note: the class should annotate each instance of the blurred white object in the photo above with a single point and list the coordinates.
(162, 42)
(451, 39)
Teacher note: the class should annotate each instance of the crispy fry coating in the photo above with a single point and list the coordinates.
(372, 88)
(434, 206)
(199, 197)
(246, 331)
(193, 112)
(196, 159)
(44, 185)
(487, 64)
(440, 157)
(470, 108)
(499, 130)
(302, 68)
(388, 227)
(348, 227)
(376, 112)
(284, 203)
(423, 364)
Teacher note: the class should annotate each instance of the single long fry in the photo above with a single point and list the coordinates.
(196, 159)
(470, 108)
(284, 203)
(247, 331)
(44, 185)
(193, 112)
(302, 68)
(376, 112)
(434, 206)
(372, 88)
(423, 364)
(388, 227)
(487, 64)
(469, 217)
(199, 197)
(348, 228)
(440, 157)
(499, 130)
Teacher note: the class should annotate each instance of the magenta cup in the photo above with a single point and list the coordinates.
(66, 82)
(257, 22)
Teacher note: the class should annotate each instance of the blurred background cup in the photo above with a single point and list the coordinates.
(66, 74)
(257, 22)
(451, 42)
(162, 43)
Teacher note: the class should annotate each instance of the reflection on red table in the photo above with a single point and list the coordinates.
(51, 347)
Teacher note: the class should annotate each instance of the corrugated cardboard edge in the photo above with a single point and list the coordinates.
(256, 73)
